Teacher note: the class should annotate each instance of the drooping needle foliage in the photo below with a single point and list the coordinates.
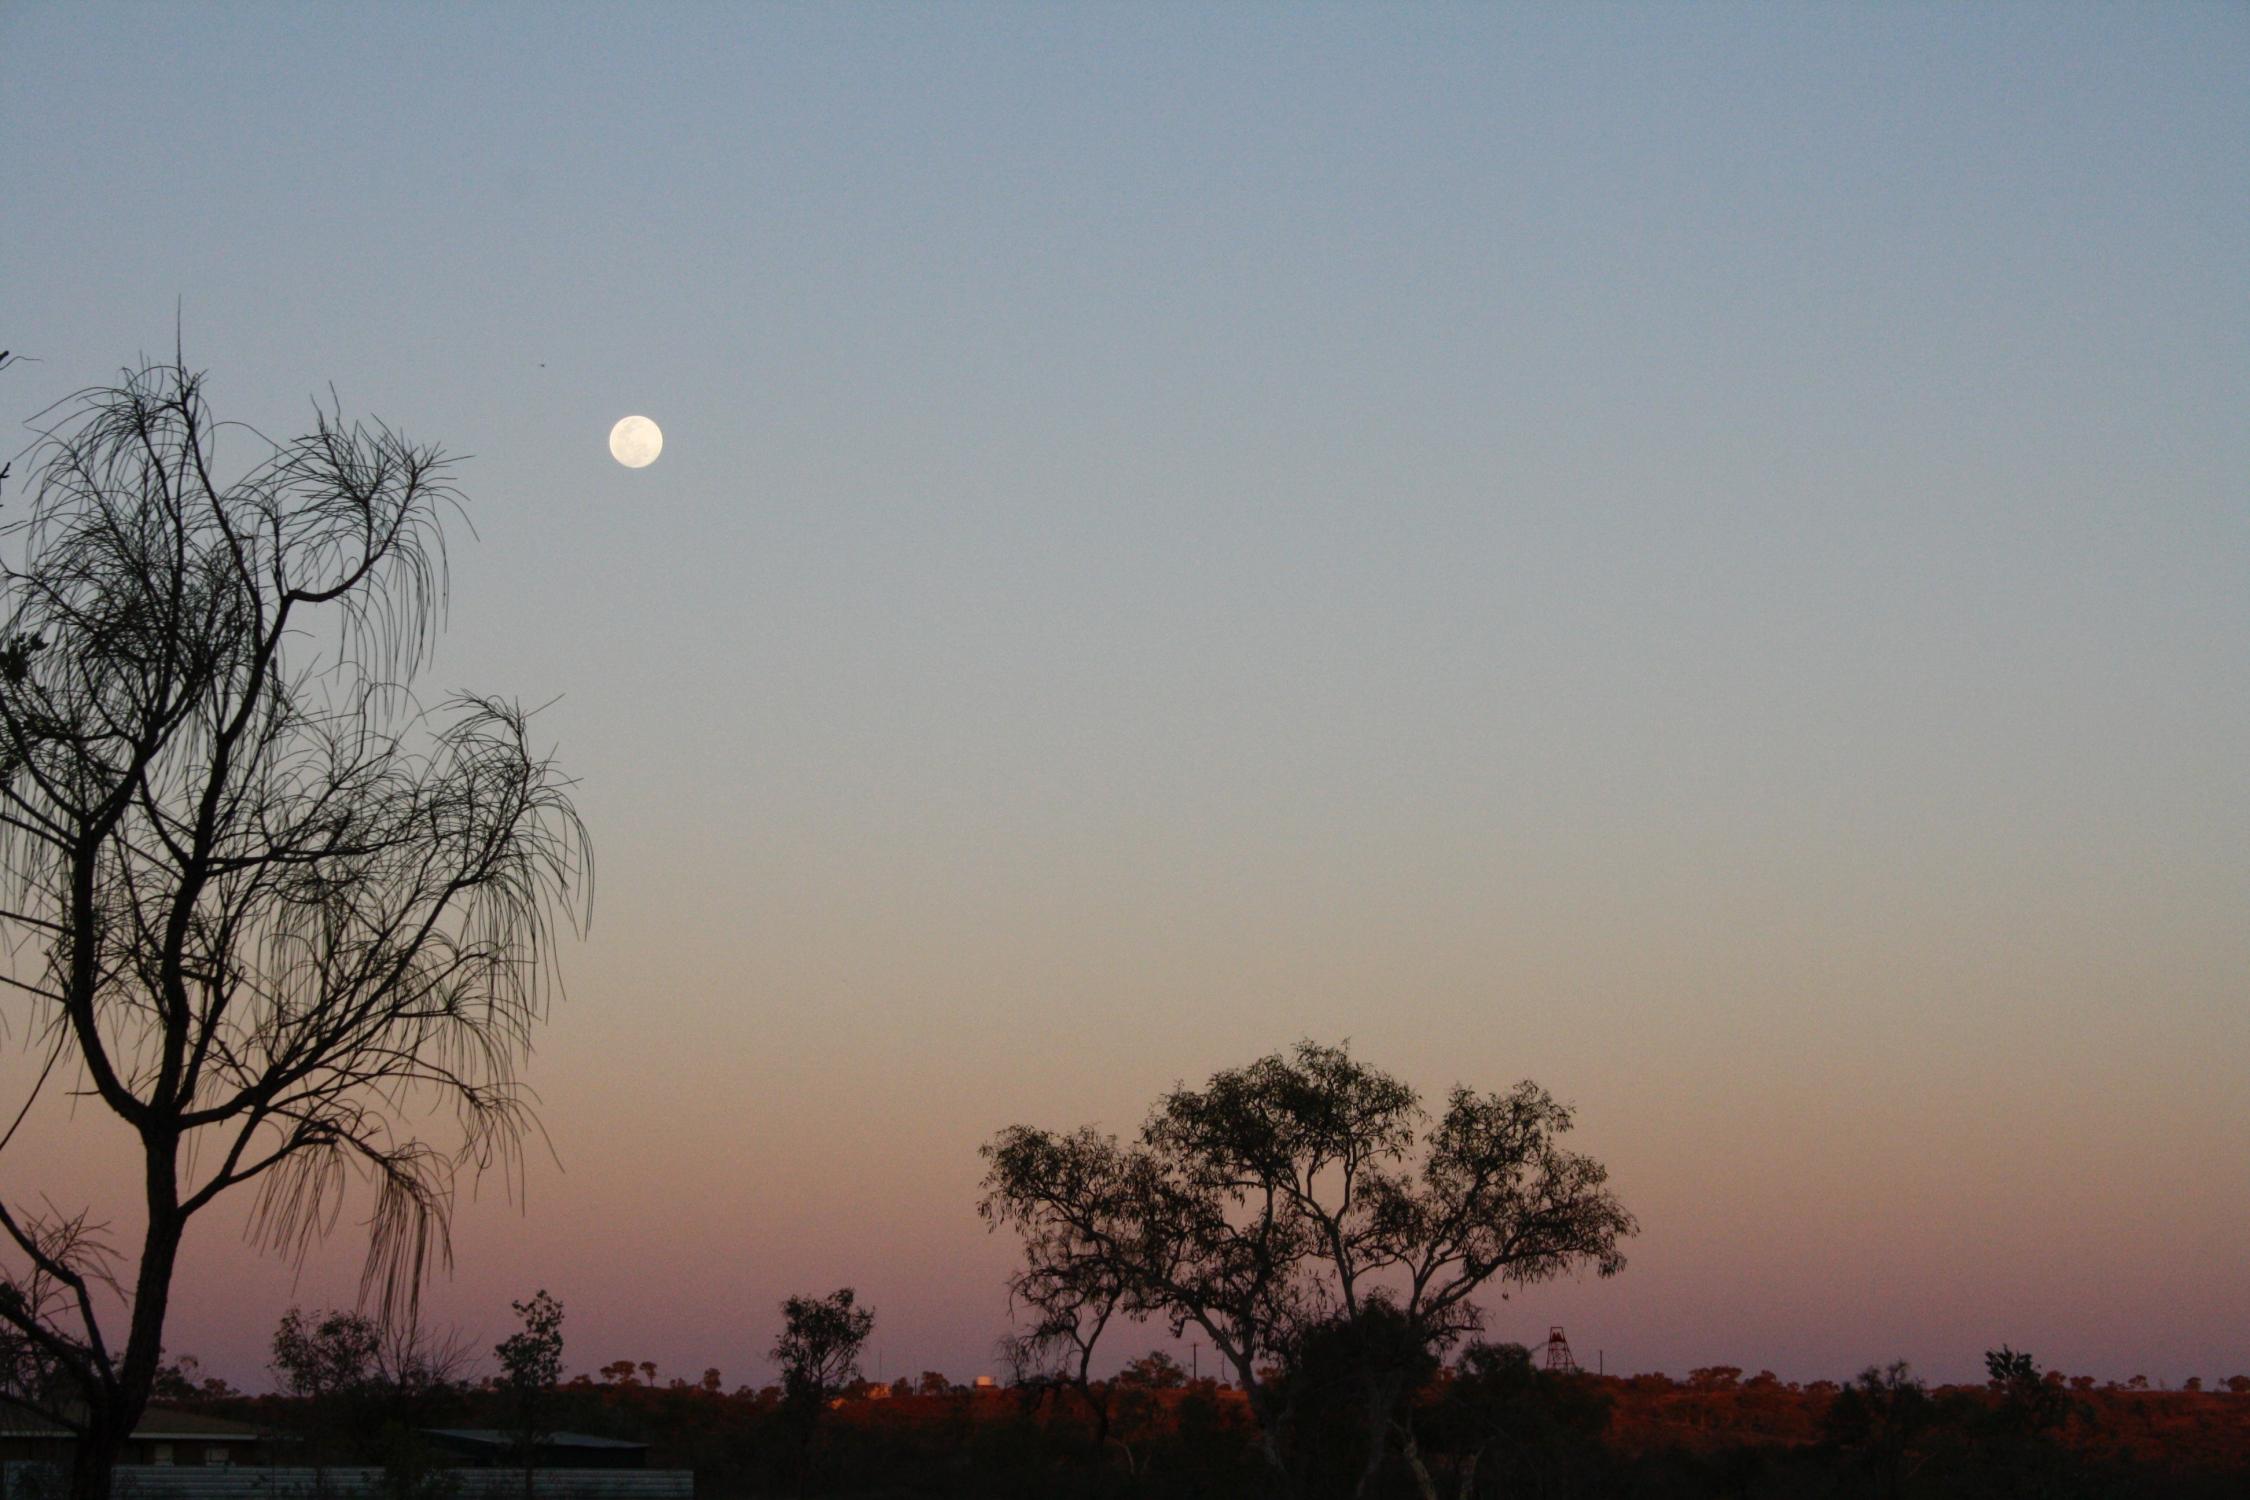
(290, 925)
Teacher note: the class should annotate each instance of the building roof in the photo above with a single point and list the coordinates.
(493, 1437)
(157, 1424)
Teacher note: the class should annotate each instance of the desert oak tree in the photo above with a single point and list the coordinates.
(289, 926)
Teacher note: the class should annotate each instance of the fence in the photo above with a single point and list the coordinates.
(32, 1481)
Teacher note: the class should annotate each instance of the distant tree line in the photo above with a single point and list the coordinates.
(1491, 1422)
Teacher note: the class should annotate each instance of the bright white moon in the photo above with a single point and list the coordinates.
(635, 442)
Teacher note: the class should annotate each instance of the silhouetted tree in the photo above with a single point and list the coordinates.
(418, 1373)
(41, 1363)
(1349, 1384)
(818, 1355)
(1070, 1298)
(530, 1369)
(1155, 1371)
(1882, 1415)
(1279, 1196)
(2015, 1437)
(1512, 1428)
(2030, 1401)
(183, 1380)
(818, 1350)
(326, 1362)
(264, 905)
(1136, 1402)
(364, 1389)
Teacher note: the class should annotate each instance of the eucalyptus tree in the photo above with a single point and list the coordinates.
(290, 927)
(1069, 1297)
(1308, 1191)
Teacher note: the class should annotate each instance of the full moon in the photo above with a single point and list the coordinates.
(635, 442)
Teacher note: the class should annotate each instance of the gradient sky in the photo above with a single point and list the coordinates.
(1698, 555)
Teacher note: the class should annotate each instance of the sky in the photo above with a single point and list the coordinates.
(1698, 555)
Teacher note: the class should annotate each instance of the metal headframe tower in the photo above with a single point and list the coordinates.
(1558, 1350)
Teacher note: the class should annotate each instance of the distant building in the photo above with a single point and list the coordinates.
(164, 1439)
(172, 1454)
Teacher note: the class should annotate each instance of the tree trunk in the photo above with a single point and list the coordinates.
(1423, 1483)
(92, 1460)
(1269, 1438)
(1101, 1417)
(1381, 1394)
(1469, 1474)
(114, 1410)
